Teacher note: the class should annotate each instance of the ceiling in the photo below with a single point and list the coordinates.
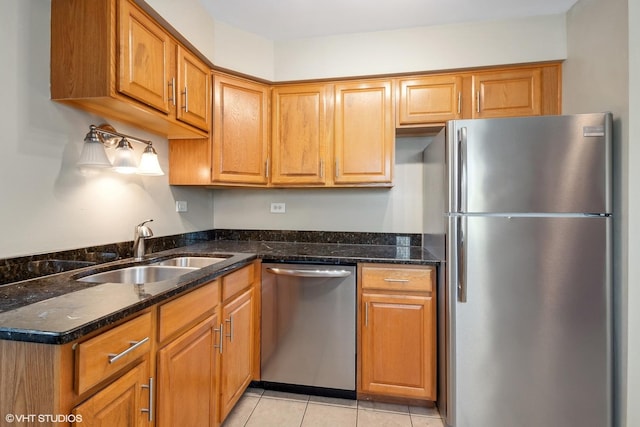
(294, 19)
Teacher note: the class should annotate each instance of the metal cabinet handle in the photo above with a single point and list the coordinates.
(230, 322)
(149, 410)
(396, 280)
(172, 84)
(185, 107)
(459, 102)
(220, 330)
(337, 169)
(366, 314)
(321, 168)
(134, 344)
(266, 168)
(308, 273)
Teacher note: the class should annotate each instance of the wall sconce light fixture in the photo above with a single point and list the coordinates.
(94, 155)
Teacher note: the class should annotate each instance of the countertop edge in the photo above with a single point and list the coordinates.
(255, 250)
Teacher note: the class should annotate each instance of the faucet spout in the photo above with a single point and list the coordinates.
(141, 232)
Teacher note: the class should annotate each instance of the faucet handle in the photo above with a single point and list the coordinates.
(142, 230)
(144, 222)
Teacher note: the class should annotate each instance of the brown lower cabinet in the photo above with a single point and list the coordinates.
(185, 361)
(123, 403)
(238, 349)
(187, 373)
(397, 324)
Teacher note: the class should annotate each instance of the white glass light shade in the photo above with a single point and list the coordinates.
(149, 164)
(93, 154)
(125, 160)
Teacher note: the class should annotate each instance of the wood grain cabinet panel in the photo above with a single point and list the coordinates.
(144, 58)
(102, 356)
(364, 132)
(187, 378)
(111, 58)
(193, 103)
(507, 94)
(124, 403)
(397, 325)
(238, 349)
(241, 138)
(180, 313)
(398, 346)
(300, 135)
(428, 99)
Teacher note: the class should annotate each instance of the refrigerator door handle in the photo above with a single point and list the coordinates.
(462, 169)
(462, 259)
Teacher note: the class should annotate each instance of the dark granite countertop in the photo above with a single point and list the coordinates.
(58, 309)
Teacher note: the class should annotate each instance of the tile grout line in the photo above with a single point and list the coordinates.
(304, 413)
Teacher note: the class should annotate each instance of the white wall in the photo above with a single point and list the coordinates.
(598, 77)
(422, 49)
(397, 210)
(442, 47)
(45, 203)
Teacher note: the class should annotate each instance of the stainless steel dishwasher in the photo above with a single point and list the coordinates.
(309, 328)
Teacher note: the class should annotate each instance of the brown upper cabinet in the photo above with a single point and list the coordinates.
(431, 100)
(109, 57)
(301, 134)
(332, 134)
(322, 135)
(507, 93)
(364, 134)
(240, 145)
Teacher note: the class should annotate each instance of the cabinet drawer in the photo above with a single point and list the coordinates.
(398, 278)
(237, 281)
(187, 309)
(109, 352)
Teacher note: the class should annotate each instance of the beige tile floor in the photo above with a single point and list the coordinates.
(260, 408)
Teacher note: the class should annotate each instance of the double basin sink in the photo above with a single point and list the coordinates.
(154, 272)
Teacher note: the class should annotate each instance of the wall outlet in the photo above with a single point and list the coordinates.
(181, 205)
(278, 208)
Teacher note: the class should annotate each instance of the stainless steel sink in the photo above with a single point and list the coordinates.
(190, 261)
(138, 274)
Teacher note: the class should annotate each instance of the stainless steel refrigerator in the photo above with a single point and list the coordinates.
(521, 210)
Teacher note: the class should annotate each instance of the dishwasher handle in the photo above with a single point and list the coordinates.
(308, 273)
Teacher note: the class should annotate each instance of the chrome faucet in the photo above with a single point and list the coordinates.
(141, 233)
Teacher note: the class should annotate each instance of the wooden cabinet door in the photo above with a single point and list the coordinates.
(120, 404)
(238, 348)
(240, 139)
(508, 93)
(300, 136)
(364, 133)
(428, 99)
(144, 57)
(187, 378)
(194, 90)
(398, 345)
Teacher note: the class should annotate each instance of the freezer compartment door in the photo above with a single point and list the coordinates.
(548, 164)
(532, 343)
